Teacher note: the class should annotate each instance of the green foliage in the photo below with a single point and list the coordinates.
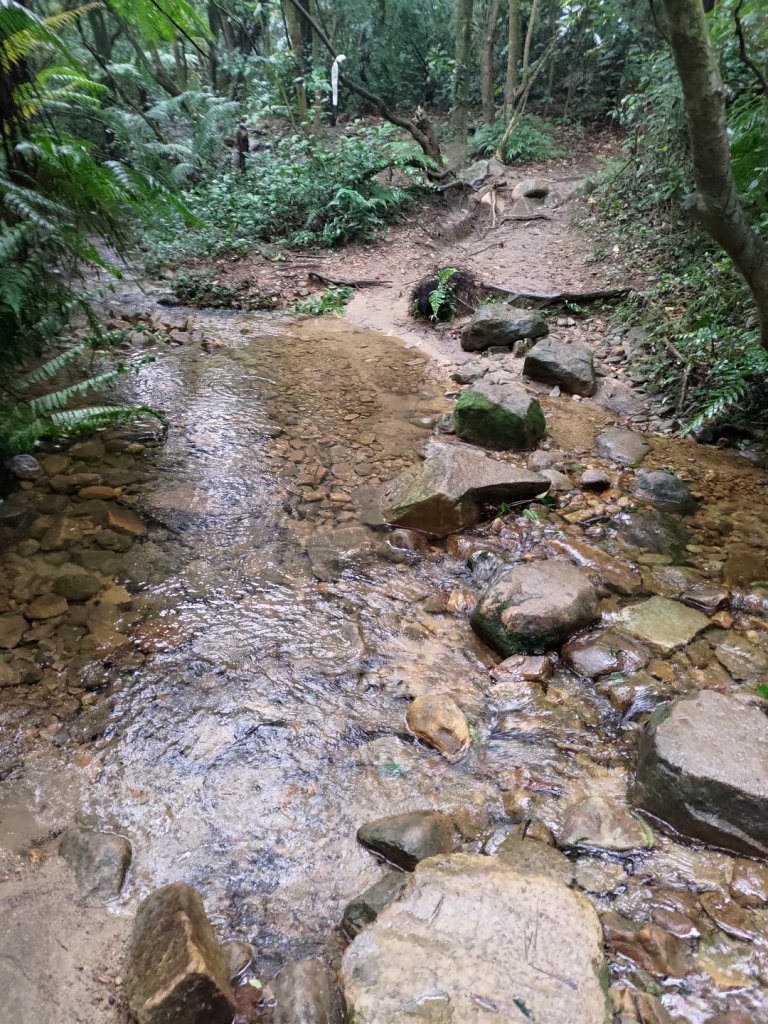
(203, 289)
(442, 299)
(298, 191)
(531, 141)
(333, 300)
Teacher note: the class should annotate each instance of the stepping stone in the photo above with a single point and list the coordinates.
(661, 622)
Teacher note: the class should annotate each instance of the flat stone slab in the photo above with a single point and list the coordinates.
(661, 622)
(473, 940)
(443, 493)
(703, 769)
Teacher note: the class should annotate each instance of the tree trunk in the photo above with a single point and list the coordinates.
(529, 36)
(458, 122)
(513, 53)
(716, 203)
(486, 61)
(293, 26)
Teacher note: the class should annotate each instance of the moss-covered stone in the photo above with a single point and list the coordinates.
(505, 418)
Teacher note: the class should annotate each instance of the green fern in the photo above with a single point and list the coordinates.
(442, 299)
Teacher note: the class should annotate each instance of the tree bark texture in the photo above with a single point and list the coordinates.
(486, 61)
(458, 122)
(716, 203)
(513, 53)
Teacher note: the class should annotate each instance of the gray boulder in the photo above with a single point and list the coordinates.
(444, 493)
(100, 861)
(498, 324)
(661, 622)
(306, 992)
(406, 839)
(656, 532)
(603, 824)
(474, 941)
(664, 491)
(535, 607)
(622, 446)
(177, 971)
(504, 417)
(702, 769)
(569, 366)
(25, 467)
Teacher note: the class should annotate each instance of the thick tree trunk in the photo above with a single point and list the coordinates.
(513, 54)
(294, 31)
(458, 122)
(716, 203)
(486, 61)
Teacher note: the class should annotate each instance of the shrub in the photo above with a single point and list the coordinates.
(530, 142)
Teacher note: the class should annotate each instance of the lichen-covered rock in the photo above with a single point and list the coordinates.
(702, 768)
(444, 493)
(504, 417)
(474, 941)
(499, 324)
(177, 971)
(535, 607)
(570, 367)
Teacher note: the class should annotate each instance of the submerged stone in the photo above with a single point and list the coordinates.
(440, 723)
(604, 824)
(535, 607)
(306, 992)
(473, 940)
(504, 417)
(664, 491)
(702, 768)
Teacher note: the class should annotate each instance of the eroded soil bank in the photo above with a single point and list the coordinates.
(232, 696)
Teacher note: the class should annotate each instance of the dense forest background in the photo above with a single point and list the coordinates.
(165, 130)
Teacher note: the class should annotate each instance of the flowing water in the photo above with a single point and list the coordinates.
(241, 712)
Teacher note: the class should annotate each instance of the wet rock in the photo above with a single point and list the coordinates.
(444, 493)
(707, 597)
(77, 586)
(499, 324)
(533, 608)
(604, 824)
(631, 1006)
(599, 876)
(12, 629)
(532, 857)
(622, 446)
(664, 491)
(458, 947)
(558, 482)
(570, 367)
(306, 993)
(124, 520)
(749, 883)
(702, 769)
(440, 723)
(732, 1017)
(740, 658)
(47, 606)
(736, 922)
(520, 666)
(177, 971)
(100, 861)
(595, 480)
(603, 653)
(54, 465)
(611, 572)
(661, 622)
(25, 467)
(366, 907)
(650, 947)
(657, 532)
(61, 534)
(239, 955)
(503, 417)
(97, 492)
(71, 484)
(406, 839)
(331, 550)
(484, 564)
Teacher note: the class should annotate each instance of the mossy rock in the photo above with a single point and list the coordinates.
(505, 418)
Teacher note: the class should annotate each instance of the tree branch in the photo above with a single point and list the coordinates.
(745, 58)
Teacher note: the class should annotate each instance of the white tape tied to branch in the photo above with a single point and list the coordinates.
(335, 67)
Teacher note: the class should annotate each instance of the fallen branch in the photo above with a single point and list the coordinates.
(364, 283)
(526, 216)
(552, 298)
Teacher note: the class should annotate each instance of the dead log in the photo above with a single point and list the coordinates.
(363, 283)
(553, 298)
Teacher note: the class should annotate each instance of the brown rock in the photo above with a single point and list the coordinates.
(532, 667)
(707, 597)
(47, 606)
(749, 884)
(12, 629)
(177, 972)
(605, 824)
(61, 484)
(440, 723)
(98, 492)
(306, 993)
(738, 923)
(61, 533)
(651, 948)
(633, 1007)
(614, 574)
(54, 465)
(407, 839)
(123, 520)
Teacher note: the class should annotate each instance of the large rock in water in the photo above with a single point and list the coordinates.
(177, 970)
(535, 607)
(499, 324)
(406, 839)
(703, 769)
(665, 491)
(474, 941)
(443, 494)
(499, 416)
(569, 366)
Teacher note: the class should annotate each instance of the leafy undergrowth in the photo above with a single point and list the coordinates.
(532, 141)
(298, 192)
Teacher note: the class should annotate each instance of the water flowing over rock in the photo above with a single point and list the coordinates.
(702, 768)
(504, 417)
(177, 971)
(475, 941)
(536, 607)
(306, 993)
(406, 839)
(622, 446)
(100, 861)
(661, 622)
(570, 367)
(664, 491)
(440, 723)
(499, 324)
(443, 494)
(365, 908)
(604, 824)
